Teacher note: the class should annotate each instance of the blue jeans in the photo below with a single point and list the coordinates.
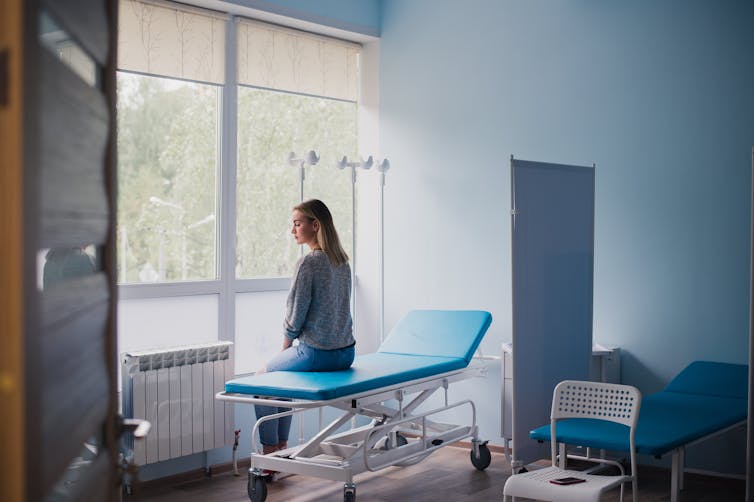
(298, 358)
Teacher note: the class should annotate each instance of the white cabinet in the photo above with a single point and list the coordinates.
(604, 367)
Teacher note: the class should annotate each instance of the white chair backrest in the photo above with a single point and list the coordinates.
(604, 401)
(595, 400)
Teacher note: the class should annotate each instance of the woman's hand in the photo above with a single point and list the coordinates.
(287, 342)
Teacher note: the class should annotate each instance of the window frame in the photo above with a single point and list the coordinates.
(226, 286)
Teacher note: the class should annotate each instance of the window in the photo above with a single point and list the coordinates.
(271, 125)
(169, 101)
(186, 130)
(167, 177)
(297, 93)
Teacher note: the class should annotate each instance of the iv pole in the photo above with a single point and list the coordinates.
(382, 168)
(310, 159)
(364, 164)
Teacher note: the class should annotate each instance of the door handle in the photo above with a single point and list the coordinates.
(138, 427)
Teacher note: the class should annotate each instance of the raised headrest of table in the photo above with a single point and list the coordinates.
(443, 333)
(423, 344)
(710, 378)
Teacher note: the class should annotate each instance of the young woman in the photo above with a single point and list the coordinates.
(318, 312)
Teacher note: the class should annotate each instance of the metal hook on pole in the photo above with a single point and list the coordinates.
(310, 159)
(364, 164)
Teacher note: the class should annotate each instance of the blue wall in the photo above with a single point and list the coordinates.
(659, 94)
(359, 16)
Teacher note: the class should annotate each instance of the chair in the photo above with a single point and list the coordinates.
(582, 400)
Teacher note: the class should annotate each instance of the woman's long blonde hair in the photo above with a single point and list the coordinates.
(327, 236)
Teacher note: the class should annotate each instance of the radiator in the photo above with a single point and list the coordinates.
(174, 389)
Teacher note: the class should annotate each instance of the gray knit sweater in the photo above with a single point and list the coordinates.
(318, 310)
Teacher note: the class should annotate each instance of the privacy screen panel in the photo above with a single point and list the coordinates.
(553, 261)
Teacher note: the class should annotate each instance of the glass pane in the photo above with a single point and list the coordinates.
(56, 40)
(168, 158)
(57, 265)
(270, 126)
(333, 186)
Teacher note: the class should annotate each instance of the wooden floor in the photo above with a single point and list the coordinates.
(447, 475)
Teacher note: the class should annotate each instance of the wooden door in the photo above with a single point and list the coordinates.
(59, 254)
(12, 462)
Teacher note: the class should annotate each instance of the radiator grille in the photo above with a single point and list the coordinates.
(174, 389)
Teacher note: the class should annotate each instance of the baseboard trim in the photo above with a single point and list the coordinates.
(494, 448)
(194, 474)
(715, 474)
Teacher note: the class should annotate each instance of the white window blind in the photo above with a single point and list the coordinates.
(274, 57)
(173, 41)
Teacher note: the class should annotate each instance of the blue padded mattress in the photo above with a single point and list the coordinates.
(667, 420)
(704, 398)
(424, 343)
(368, 372)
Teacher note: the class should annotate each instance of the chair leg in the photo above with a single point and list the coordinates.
(675, 466)
(635, 489)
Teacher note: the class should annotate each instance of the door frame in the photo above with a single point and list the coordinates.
(12, 382)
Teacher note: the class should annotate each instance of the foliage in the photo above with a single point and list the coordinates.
(270, 126)
(167, 163)
(168, 176)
